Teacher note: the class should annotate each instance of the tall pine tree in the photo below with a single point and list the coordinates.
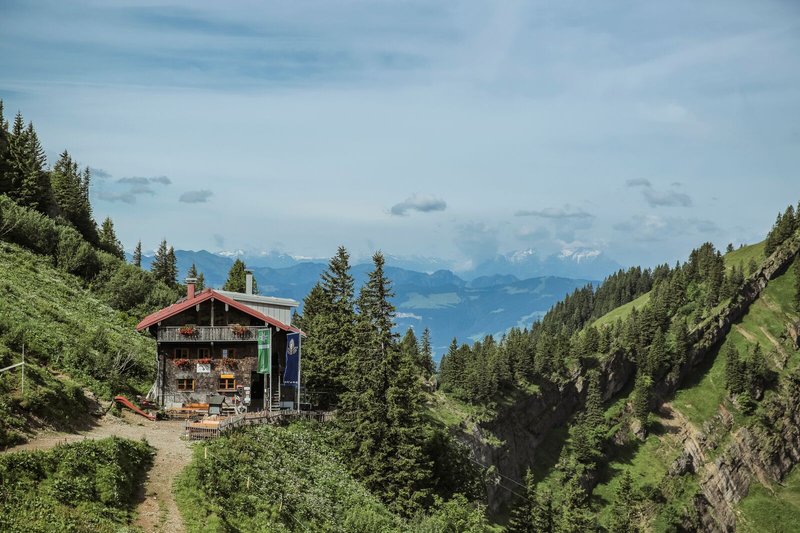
(426, 353)
(161, 267)
(237, 278)
(108, 240)
(381, 422)
(137, 254)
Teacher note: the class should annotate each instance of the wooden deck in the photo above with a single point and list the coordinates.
(214, 426)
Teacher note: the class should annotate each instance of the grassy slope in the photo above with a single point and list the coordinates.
(70, 336)
(296, 482)
(700, 399)
(83, 486)
(623, 310)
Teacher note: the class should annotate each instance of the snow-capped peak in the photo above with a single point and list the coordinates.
(579, 254)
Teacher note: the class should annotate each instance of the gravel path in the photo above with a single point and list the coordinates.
(157, 511)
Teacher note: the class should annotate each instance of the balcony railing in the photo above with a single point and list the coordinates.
(208, 334)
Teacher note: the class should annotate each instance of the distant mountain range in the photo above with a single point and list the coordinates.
(510, 290)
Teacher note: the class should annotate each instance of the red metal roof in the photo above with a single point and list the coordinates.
(207, 294)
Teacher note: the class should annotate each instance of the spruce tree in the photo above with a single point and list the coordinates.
(172, 268)
(656, 355)
(426, 354)
(108, 240)
(642, 390)
(70, 192)
(160, 266)
(410, 346)
(575, 515)
(734, 378)
(237, 278)
(681, 343)
(5, 167)
(137, 254)
(28, 183)
(623, 508)
(200, 280)
(522, 516)
(381, 422)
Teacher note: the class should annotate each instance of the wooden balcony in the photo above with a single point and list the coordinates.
(209, 334)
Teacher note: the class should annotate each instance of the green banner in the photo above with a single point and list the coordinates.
(264, 351)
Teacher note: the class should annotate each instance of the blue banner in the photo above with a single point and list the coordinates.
(291, 375)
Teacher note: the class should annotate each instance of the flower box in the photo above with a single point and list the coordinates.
(188, 331)
(240, 331)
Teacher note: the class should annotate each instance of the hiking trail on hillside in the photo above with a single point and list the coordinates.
(157, 510)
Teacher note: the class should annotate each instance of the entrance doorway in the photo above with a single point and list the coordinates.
(257, 390)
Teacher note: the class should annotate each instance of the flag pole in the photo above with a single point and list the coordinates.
(269, 376)
(299, 366)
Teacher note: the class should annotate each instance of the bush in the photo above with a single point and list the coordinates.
(26, 227)
(75, 255)
(85, 486)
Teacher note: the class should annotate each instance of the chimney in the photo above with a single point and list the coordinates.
(248, 282)
(190, 287)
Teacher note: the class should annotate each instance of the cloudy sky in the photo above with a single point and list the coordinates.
(449, 129)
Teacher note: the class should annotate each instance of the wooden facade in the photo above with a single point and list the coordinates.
(208, 344)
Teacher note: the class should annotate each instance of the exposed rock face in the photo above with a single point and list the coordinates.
(766, 452)
(522, 427)
(793, 330)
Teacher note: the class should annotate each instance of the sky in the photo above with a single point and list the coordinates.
(457, 130)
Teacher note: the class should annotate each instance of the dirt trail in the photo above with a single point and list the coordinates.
(746, 334)
(157, 511)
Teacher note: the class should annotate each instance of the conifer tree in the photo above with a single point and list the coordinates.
(642, 390)
(734, 378)
(329, 321)
(594, 402)
(172, 268)
(108, 240)
(5, 168)
(382, 430)
(681, 344)
(70, 191)
(28, 182)
(160, 266)
(237, 278)
(575, 516)
(200, 280)
(522, 516)
(410, 346)
(623, 507)
(426, 353)
(137, 254)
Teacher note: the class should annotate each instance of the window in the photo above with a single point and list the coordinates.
(203, 353)
(227, 383)
(186, 384)
(229, 352)
(181, 353)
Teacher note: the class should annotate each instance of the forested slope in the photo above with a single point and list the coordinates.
(623, 421)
